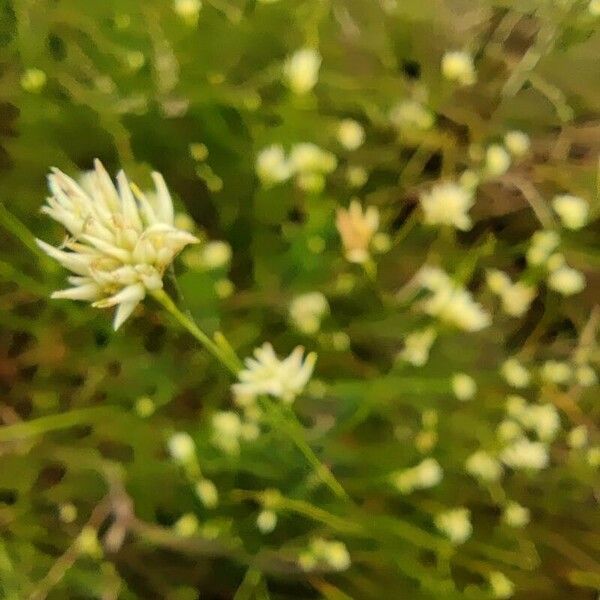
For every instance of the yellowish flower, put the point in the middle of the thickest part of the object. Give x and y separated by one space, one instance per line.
356 228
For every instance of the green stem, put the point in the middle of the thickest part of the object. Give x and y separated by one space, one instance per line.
226 358
27 429
289 424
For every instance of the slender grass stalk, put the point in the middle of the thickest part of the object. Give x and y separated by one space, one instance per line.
228 359
41 425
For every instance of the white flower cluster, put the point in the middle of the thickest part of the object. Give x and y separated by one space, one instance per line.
464 386
484 466
411 115
229 429
561 278
350 134
448 203
266 374
120 241
307 311
301 70
426 474
514 373
332 554
458 66
417 346
515 297
307 162
450 302
455 524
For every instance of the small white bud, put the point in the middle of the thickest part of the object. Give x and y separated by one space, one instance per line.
517 142
302 70
515 515
186 525
266 521
497 160
350 134
566 281
458 66
181 447
502 586
207 492
572 210
463 386
577 437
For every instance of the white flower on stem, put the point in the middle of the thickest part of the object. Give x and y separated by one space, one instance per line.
497 160
181 447
586 376
515 297
350 134
458 66
266 521
301 70
307 310
525 454
417 346
357 228
426 474
515 515
566 281
272 166
411 115
556 371
267 374
577 437
514 373
517 142
483 466
227 431
450 302
502 587
543 244
463 386
455 524
448 204
572 210
120 240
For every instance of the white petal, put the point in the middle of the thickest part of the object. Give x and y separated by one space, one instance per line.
89 291
123 312
71 260
130 209
164 203
131 293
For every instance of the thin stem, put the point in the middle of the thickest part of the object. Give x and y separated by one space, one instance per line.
27 429
226 358
289 424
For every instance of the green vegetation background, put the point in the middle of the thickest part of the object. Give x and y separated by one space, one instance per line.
219 83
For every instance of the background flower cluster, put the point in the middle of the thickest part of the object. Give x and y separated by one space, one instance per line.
389 209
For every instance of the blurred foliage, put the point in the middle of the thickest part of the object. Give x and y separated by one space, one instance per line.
142 88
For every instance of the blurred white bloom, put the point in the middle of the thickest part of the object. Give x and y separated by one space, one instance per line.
88 543
267 374
558 372
572 210
356 176
227 430
515 515
216 254
525 454
417 346
515 405
450 302
515 297
67 512
333 553
207 493
543 243
508 430
266 521
541 418
586 376
458 66
455 524
186 525
497 160
118 247
301 70
356 228
469 180
307 310
463 386
181 447
566 281
410 115
381 242
184 221
272 166
483 466
594 8
188 10
426 474
502 586
515 373
144 406
448 203
33 80
350 134
578 437
517 142
309 158
593 456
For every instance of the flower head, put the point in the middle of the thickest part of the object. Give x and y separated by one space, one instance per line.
302 70
267 374
120 240
448 204
455 524
356 228
272 166
307 310
572 210
458 66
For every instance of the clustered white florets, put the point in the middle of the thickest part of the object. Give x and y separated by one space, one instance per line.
448 203
268 375
120 240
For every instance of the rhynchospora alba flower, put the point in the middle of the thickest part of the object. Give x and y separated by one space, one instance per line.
448 204
272 166
307 311
120 240
450 302
458 66
572 210
357 228
301 70
515 297
267 374
455 524
410 115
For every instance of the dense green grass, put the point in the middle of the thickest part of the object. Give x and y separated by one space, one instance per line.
92 505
